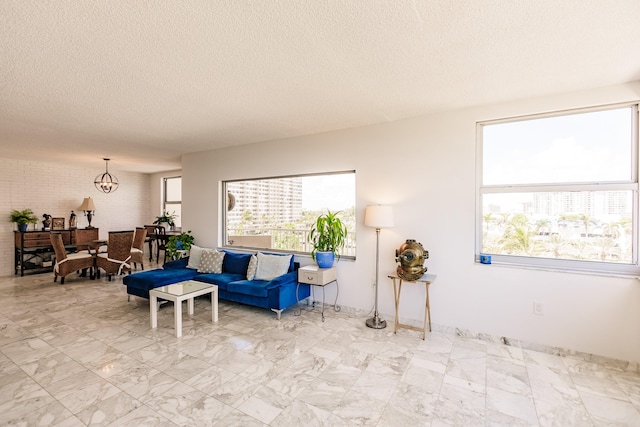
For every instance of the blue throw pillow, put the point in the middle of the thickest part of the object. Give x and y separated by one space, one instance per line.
235 263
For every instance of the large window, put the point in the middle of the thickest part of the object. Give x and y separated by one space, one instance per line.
172 200
560 191
277 213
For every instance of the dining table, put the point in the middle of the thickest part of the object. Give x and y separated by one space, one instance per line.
161 240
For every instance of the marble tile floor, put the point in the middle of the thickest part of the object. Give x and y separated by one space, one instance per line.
79 354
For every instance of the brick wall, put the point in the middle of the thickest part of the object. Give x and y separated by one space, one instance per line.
57 189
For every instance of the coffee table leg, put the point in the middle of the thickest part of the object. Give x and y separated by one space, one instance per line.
153 308
190 306
214 305
177 309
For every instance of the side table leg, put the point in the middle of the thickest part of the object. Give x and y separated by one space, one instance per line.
428 308
153 309
336 307
177 310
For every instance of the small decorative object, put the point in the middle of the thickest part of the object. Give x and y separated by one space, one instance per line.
89 208
166 218
23 218
327 236
231 201
181 242
485 259
72 220
106 182
411 256
378 216
46 222
57 223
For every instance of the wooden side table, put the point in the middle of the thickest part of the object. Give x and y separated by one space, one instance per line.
316 276
427 279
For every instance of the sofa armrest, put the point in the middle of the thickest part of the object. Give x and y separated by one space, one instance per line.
286 279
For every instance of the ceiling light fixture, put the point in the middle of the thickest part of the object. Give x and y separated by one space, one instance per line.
106 182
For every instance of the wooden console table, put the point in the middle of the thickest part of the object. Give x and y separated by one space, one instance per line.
427 279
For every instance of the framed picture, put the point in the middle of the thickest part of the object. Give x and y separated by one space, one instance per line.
57 223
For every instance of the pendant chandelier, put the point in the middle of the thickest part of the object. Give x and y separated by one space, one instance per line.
106 182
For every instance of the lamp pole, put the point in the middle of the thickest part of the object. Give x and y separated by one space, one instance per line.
376 322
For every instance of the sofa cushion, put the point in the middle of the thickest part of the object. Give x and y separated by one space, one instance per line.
221 280
257 288
150 279
211 261
236 263
177 264
272 266
251 269
195 254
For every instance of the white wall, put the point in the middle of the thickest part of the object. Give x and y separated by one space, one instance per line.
425 168
57 189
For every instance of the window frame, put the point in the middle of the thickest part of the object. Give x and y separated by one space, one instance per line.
586 266
224 228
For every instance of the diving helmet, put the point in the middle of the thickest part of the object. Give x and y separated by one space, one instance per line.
411 256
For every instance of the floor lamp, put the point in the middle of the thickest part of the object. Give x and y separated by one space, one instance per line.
379 217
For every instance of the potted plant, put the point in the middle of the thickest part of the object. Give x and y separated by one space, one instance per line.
180 242
327 236
166 218
23 218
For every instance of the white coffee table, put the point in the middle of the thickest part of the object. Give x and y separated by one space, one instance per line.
179 292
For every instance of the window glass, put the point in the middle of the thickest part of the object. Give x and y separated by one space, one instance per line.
277 213
593 146
172 202
560 191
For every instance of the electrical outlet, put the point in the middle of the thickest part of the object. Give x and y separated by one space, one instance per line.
538 308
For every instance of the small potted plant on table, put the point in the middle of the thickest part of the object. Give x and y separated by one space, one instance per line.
23 218
327 236
166 218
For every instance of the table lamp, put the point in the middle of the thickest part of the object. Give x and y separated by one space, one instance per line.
89 208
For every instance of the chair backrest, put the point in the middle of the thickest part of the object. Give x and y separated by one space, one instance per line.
151 229
58 246
138 237
84 236
160 229
119 247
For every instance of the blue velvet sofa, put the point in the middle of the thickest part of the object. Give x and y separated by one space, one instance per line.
276 294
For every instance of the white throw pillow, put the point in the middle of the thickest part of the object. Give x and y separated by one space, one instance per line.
272 266
194 257
211 261
253 266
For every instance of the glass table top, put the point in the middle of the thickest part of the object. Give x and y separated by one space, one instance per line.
183 288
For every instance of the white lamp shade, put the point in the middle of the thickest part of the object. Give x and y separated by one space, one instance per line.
378 216
87 204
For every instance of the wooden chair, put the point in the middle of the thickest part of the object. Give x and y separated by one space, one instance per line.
68 263
84 237
151 229
138 247
118 256
161 243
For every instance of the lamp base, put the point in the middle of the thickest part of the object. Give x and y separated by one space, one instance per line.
376 322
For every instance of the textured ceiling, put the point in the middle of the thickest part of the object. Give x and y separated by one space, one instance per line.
144 81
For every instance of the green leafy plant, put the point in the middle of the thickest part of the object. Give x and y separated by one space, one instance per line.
181 242
166 217
23 217
328 234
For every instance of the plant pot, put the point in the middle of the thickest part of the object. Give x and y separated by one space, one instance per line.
325 259
23 227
